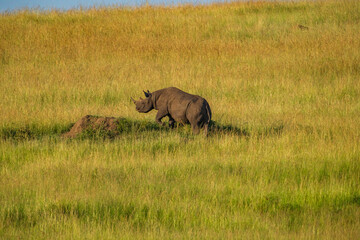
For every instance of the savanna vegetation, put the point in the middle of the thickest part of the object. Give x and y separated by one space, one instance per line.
282 161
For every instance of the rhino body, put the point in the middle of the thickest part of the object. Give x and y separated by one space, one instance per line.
178 106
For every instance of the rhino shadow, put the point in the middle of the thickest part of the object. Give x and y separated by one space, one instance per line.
274 129
96 127
217 128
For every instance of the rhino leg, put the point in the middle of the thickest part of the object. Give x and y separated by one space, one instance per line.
206 129
195 128
171 122
160 115
195 124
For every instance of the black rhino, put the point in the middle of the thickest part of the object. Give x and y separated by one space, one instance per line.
179 106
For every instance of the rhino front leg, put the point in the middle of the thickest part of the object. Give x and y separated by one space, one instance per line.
171 122
160 115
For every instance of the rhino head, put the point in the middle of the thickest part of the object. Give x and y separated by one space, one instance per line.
144 105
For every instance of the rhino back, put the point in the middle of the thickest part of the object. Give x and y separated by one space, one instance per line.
166 97
175 101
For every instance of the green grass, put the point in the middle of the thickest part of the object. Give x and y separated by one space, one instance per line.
282 160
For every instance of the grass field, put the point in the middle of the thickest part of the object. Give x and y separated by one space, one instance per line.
291 172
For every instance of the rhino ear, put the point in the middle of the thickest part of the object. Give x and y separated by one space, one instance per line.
147 94
133 100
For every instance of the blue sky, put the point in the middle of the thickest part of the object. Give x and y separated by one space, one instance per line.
11 5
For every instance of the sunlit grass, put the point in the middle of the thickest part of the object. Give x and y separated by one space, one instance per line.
281 162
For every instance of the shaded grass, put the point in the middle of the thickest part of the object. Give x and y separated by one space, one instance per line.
32 131
128 127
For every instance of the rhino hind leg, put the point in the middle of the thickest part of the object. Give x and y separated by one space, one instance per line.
195 128
198 126
206 129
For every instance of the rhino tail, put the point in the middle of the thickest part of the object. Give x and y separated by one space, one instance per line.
208 111
207 124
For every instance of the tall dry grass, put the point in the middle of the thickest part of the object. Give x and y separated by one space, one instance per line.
295 92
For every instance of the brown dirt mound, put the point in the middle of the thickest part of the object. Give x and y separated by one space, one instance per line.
90 122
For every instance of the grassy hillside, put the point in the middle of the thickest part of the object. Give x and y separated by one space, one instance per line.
292 171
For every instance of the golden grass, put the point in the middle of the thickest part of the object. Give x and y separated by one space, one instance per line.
295 91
